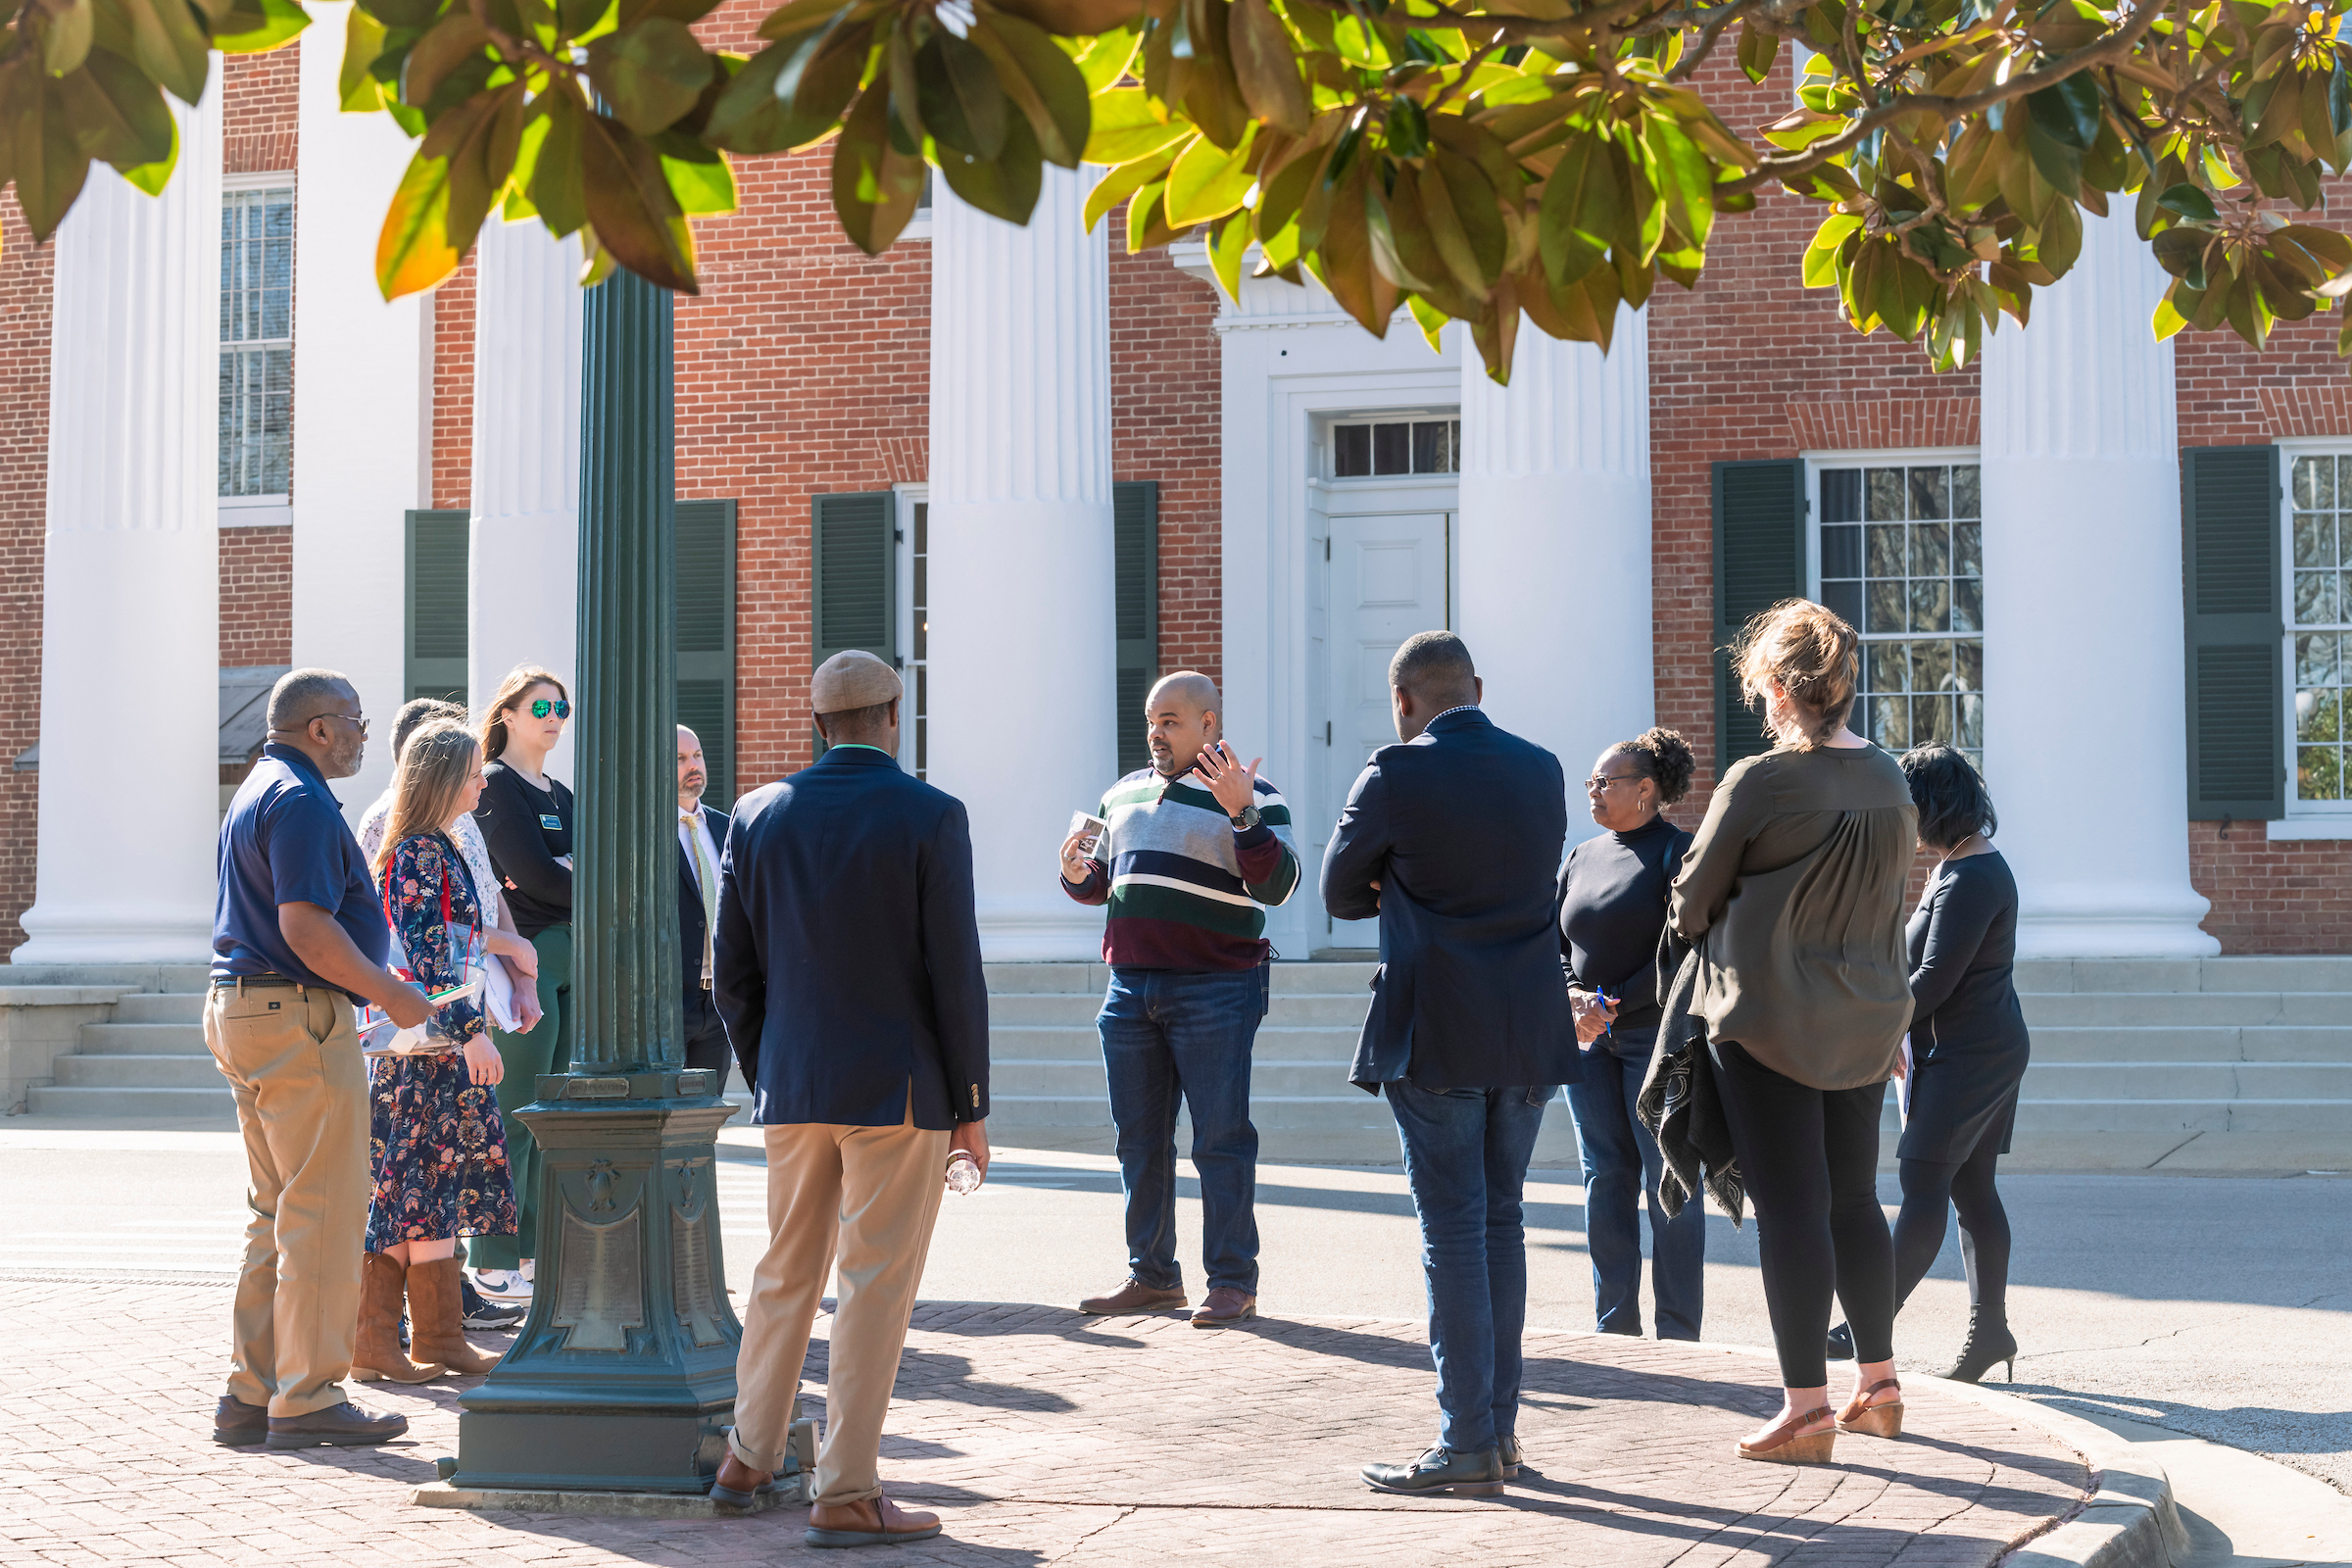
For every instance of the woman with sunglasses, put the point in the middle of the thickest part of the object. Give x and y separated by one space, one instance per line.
1612 907
526 817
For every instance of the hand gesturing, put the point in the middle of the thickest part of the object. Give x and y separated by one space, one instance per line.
1234 785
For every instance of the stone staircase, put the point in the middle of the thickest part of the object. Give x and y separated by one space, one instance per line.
2214 1045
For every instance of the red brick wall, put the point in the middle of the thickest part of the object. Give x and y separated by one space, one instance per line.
257 596
25 277
259 111
452 305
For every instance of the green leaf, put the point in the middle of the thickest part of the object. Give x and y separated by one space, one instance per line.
630 207
1225 249
750 118
65 34
118 116
2068 111
962 104
2189 202
1125 127
1757 51
554 183
1007 186
282 21
450 43
2060 238
698 175
49 164
1582 211
362 42
1043 81
1207 182
1125 180
1265 63
1105 58
152 176
1076 18
875 186
650 75
169 46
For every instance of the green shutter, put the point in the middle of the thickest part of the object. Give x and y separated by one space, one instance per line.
705 600
1759 560
2232 606
854 562
1135 513
434 628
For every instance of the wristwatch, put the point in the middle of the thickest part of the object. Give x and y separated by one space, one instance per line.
1251 816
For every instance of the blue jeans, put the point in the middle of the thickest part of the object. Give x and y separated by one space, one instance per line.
1170 1034
1622 1166
1465 1158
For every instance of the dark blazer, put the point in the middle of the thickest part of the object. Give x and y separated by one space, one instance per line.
690 902
1462 828
848 959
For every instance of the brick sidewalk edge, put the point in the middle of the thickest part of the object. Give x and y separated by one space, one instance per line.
2129 1521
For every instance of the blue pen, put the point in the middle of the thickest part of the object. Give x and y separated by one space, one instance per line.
1608 1031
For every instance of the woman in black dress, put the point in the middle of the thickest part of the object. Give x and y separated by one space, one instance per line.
1968 1052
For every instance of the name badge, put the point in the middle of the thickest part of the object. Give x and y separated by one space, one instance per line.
554 825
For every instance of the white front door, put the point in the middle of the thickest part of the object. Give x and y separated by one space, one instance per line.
1390 577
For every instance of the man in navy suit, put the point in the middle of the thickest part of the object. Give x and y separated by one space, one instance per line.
1454 839
848 969
701 832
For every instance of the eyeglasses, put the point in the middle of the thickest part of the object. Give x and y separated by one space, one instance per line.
1602 781
353 720
542 708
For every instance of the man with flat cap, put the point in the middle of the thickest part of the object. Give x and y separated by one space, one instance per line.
847 966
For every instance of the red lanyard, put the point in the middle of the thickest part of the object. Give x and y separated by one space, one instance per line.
394 923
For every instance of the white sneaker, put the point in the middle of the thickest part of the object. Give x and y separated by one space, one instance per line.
531 1274
502 1284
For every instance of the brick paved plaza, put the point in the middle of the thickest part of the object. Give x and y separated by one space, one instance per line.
1042 1437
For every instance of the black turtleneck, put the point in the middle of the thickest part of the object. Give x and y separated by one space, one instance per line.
1612 905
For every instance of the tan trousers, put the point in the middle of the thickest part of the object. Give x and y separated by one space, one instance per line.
293 1059
875 1191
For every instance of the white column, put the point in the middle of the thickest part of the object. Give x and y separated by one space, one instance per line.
131 622
2085 736
521 578
1023 639
363 385
1554 543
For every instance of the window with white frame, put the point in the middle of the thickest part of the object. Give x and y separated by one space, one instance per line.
2319 614
257 343
1363 449
1901 555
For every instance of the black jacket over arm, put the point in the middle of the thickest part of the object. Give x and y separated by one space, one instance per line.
1462 828
848 959
690 905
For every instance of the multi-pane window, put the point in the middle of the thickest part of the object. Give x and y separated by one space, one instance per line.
2321 613
1902 558
257 342
1361 449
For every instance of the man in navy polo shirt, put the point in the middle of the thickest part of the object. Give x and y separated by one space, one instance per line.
298 935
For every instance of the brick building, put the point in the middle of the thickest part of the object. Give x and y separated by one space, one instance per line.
1258 489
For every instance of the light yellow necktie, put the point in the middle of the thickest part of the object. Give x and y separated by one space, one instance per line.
707 881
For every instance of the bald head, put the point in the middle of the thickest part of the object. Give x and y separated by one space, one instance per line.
694 773
1184 718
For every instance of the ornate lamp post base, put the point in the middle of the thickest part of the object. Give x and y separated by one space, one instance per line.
622 1378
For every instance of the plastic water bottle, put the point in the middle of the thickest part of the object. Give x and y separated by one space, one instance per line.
963 1172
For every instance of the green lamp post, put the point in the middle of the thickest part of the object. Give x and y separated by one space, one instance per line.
622 1378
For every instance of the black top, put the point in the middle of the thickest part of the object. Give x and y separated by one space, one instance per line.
526 827
848 959
1612 905
1968 1045
1456 826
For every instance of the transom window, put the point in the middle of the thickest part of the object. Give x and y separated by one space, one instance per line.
1363 449
2319 634
1902 558
257 342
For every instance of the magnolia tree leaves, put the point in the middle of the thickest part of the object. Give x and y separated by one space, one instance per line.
1482 161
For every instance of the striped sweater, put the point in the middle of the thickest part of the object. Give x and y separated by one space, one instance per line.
1185 890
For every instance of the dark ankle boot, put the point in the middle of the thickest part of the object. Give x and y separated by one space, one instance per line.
1990 1344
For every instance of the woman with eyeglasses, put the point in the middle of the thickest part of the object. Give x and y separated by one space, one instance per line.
1612 908
526 817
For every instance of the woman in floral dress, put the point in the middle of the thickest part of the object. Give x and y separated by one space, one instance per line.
438 1142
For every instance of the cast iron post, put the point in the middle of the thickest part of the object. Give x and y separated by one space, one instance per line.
623 1379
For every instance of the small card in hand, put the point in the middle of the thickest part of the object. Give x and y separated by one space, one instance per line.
1093 828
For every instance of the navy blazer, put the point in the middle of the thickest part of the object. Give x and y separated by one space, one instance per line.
848 957
1462 828
690 904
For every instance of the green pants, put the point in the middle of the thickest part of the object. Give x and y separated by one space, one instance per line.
546 1049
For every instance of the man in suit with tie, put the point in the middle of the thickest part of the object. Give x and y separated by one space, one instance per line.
701 832
847 970
1454 839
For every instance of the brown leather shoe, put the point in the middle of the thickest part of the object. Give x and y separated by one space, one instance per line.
737 1486
1225 1306
239 1424
875 1522
437 1319
1133 1297
377 1356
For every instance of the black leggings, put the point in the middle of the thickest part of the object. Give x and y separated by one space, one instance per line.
1930 1184
1810 1162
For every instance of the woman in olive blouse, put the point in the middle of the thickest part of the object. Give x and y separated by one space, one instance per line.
1792 895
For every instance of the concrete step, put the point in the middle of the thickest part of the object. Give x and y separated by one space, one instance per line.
1071 1043
2193 1043
1055 1008
2318 972
1350 1110
2325 1117
214 1104
2218 1081
143 1040
180 978
1055 1080
149 1006
2239 1007
140 1072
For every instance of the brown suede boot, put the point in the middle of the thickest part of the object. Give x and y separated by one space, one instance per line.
438 1318
378 1358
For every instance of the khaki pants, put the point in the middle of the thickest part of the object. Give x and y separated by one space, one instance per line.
293 1059
875 1191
